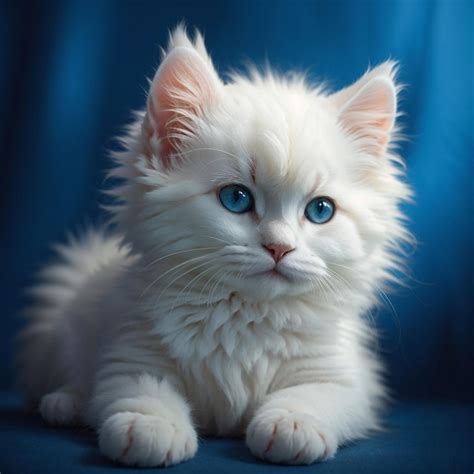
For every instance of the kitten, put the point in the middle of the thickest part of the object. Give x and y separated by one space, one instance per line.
256 222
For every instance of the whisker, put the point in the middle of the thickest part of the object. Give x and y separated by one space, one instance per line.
393 311
189 284
187 262
211 294
209 282
339 265
328 282
219 240
181 275
179 252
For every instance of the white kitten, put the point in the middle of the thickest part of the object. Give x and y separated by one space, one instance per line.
256 224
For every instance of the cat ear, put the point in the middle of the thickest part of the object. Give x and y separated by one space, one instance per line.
367 109
185 84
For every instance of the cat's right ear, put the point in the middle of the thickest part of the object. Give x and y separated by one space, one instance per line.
367 109
184 87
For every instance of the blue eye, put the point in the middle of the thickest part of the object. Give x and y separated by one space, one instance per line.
236 198
320 210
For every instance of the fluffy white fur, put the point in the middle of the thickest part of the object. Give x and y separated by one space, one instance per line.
175 325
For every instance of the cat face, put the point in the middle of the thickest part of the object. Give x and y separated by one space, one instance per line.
265 186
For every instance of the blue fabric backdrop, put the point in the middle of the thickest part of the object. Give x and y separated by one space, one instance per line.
71 71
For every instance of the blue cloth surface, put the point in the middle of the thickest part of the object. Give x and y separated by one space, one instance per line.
420 437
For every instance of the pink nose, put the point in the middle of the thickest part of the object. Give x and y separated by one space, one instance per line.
278 251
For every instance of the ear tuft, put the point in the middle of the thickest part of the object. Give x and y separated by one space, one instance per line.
184 86
367 109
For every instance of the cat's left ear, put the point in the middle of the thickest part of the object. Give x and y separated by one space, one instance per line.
368 108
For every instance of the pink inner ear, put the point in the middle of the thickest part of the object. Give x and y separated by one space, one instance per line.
370 115
373 136
180 90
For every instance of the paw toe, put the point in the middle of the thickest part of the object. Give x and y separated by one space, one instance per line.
286 437
59 408
146 440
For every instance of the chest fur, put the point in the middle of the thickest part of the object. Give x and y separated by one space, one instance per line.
228 356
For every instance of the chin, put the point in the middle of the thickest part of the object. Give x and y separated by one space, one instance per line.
270 285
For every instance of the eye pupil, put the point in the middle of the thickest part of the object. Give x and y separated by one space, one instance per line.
320 210
236 198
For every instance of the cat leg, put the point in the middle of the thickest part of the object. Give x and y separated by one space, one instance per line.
61 407
143 421
306 423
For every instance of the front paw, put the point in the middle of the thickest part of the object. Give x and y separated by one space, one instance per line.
287 437
60 408
146 440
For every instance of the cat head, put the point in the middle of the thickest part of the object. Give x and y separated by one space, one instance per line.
264 185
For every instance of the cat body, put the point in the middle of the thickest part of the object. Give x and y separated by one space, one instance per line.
196 315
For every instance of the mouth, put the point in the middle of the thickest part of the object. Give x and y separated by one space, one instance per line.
274 273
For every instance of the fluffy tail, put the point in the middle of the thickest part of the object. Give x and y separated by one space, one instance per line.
39 356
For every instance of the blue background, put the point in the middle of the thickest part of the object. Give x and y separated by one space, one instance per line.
71 71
